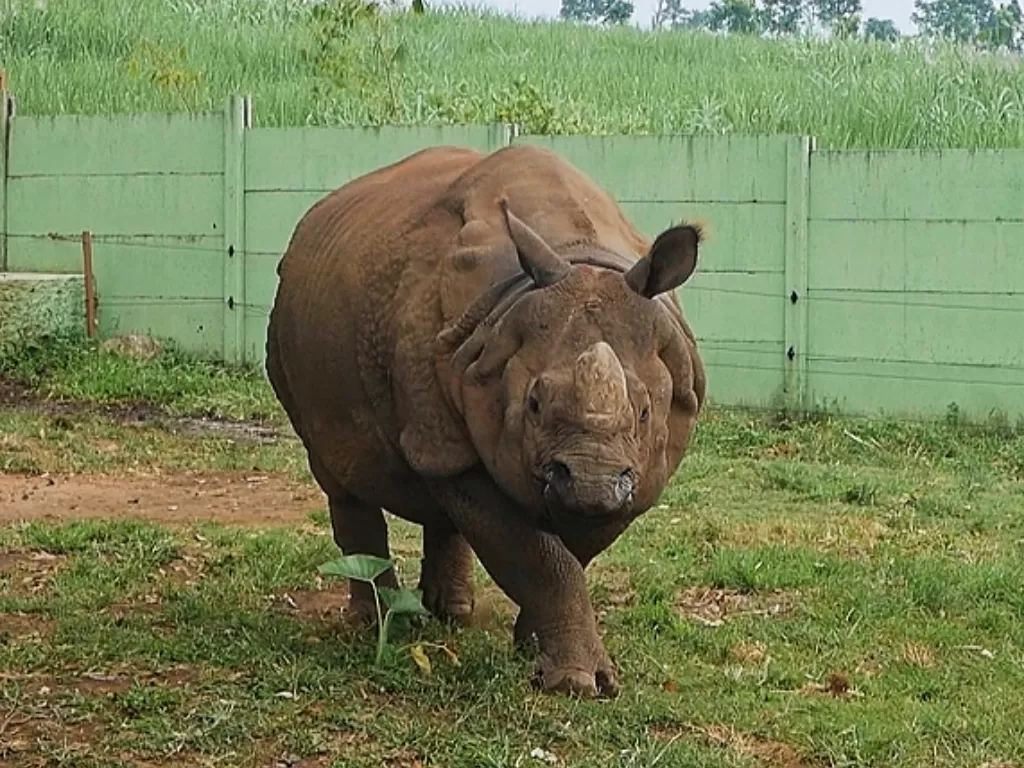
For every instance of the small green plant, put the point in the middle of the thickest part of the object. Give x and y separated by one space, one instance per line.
953 416
524 104
400 602
356 47
168 69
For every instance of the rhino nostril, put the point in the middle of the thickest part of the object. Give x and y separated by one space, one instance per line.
559 481
558 474
625 485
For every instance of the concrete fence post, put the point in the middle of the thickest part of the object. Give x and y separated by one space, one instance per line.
798 193
6 109
237 118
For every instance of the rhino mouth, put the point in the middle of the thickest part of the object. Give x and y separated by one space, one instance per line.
563 503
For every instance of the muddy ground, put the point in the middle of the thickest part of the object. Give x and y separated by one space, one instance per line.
167 497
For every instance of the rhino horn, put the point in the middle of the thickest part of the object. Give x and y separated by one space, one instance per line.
600 380
536 257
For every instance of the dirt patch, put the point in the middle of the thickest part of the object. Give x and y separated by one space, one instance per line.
29 572
919 655
766 752
780 450
713 607
618 584
17 627
15 396
232 498
268 753
492 609
293 761
838 685
316 604
186 570
851 536
47 687
748 653
23 735
240 431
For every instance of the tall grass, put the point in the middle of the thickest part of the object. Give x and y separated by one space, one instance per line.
107 56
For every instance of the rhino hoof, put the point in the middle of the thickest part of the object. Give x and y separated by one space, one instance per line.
570 681
449 608
457 613
576 681
607 683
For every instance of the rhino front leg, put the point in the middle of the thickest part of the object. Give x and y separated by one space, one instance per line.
541 576
447 575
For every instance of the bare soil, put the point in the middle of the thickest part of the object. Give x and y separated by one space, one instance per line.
178 498
763 752
713 607
18 397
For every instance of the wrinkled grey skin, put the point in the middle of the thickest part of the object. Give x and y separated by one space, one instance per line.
485 346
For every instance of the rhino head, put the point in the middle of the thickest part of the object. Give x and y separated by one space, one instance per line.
581 391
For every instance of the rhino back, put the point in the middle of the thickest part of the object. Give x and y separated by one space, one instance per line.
557 200
358 262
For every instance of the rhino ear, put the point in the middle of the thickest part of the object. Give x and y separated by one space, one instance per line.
536 257
669 263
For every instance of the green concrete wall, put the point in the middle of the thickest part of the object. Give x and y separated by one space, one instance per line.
863 281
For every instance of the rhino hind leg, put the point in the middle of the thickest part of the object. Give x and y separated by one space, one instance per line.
360 529
446 578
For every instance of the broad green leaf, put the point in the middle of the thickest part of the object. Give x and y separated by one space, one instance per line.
359 567
403 601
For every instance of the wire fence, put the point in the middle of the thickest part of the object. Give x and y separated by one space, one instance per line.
834 294
766 349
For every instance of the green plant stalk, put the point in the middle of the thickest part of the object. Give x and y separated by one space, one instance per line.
382 630
382 638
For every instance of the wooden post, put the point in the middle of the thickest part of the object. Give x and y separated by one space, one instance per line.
90 289
3 81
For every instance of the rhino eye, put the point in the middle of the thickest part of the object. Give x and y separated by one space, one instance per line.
645 414
533 404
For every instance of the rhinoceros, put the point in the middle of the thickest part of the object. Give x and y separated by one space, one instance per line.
484 345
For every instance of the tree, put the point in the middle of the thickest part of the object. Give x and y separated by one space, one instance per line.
960 20
841 17
881 29
734 16
972 21
665 12
1006 27
782 17
602 11
692 20
672 14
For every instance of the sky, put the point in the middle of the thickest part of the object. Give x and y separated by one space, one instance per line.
897 10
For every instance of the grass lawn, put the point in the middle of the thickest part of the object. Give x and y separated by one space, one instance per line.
807 594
